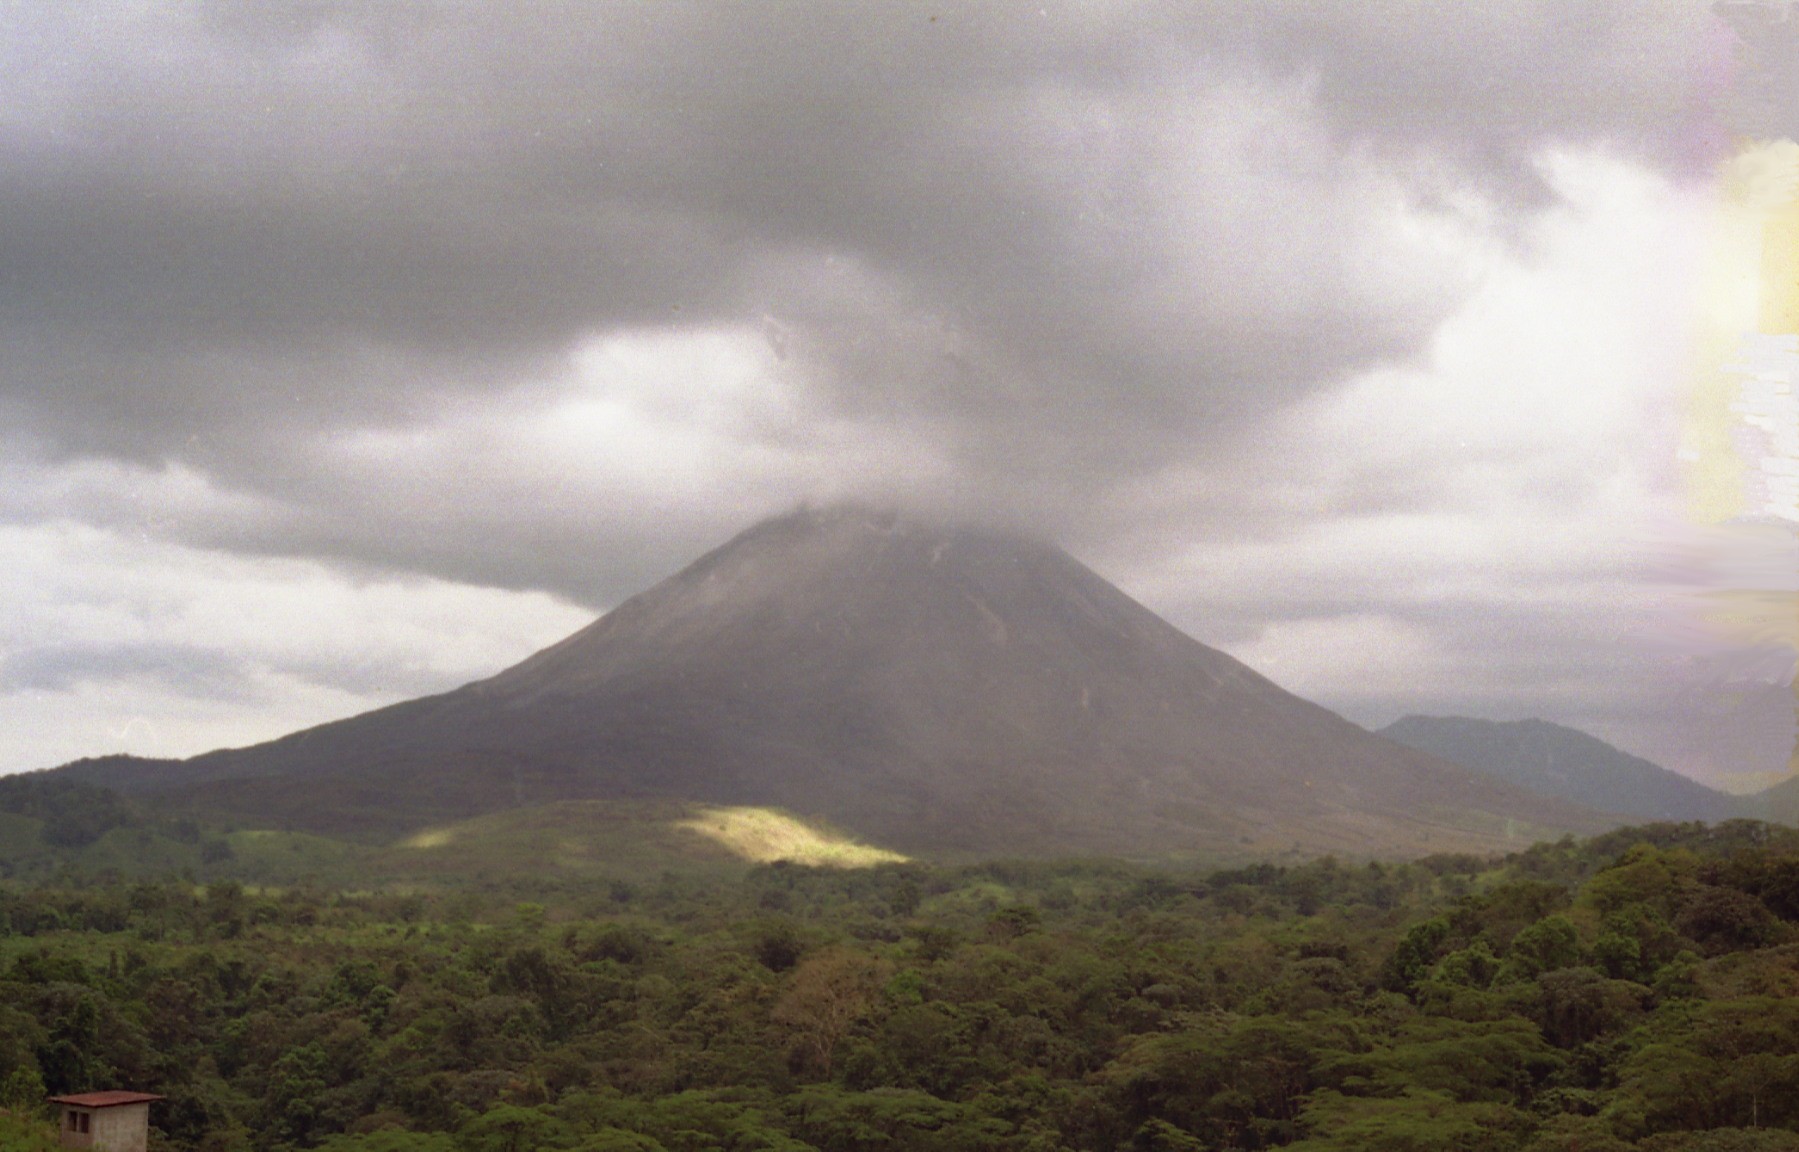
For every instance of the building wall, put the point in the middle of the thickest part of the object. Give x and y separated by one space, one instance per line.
122 1129
125 1128
70 1137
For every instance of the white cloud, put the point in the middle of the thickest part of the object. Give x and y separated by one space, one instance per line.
115 643
1492 530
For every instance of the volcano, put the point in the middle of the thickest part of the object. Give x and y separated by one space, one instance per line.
938 690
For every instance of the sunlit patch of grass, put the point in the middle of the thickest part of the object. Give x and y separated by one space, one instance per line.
764 835
430 838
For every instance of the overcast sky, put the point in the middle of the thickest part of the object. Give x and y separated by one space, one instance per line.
354 351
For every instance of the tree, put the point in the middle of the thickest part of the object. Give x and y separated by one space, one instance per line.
512 1129
1414 1121
830 992
1580 1004
1414 955
21 1133
391 1141
1725 920
1545 946
22 1090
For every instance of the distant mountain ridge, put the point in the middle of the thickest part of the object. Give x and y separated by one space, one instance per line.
1557 761
1779 803
932 689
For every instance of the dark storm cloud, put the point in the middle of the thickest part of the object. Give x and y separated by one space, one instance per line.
1061 245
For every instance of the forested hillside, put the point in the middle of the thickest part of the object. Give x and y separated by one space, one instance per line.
1640 990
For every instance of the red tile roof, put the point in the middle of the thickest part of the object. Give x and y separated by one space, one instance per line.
105 1099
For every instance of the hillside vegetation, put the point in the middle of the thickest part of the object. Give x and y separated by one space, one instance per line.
51 826
1635 991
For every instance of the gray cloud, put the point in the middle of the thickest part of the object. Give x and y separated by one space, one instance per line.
186 670
1086 237
1764 100
316 279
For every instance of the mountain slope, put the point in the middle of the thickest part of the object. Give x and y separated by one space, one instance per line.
1779 803
936 690
1565 763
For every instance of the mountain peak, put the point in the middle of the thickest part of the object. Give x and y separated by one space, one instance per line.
931 688
834 531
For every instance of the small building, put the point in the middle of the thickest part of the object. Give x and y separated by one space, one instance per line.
106 1121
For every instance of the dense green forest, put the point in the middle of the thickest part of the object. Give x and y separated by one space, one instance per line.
1638 990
